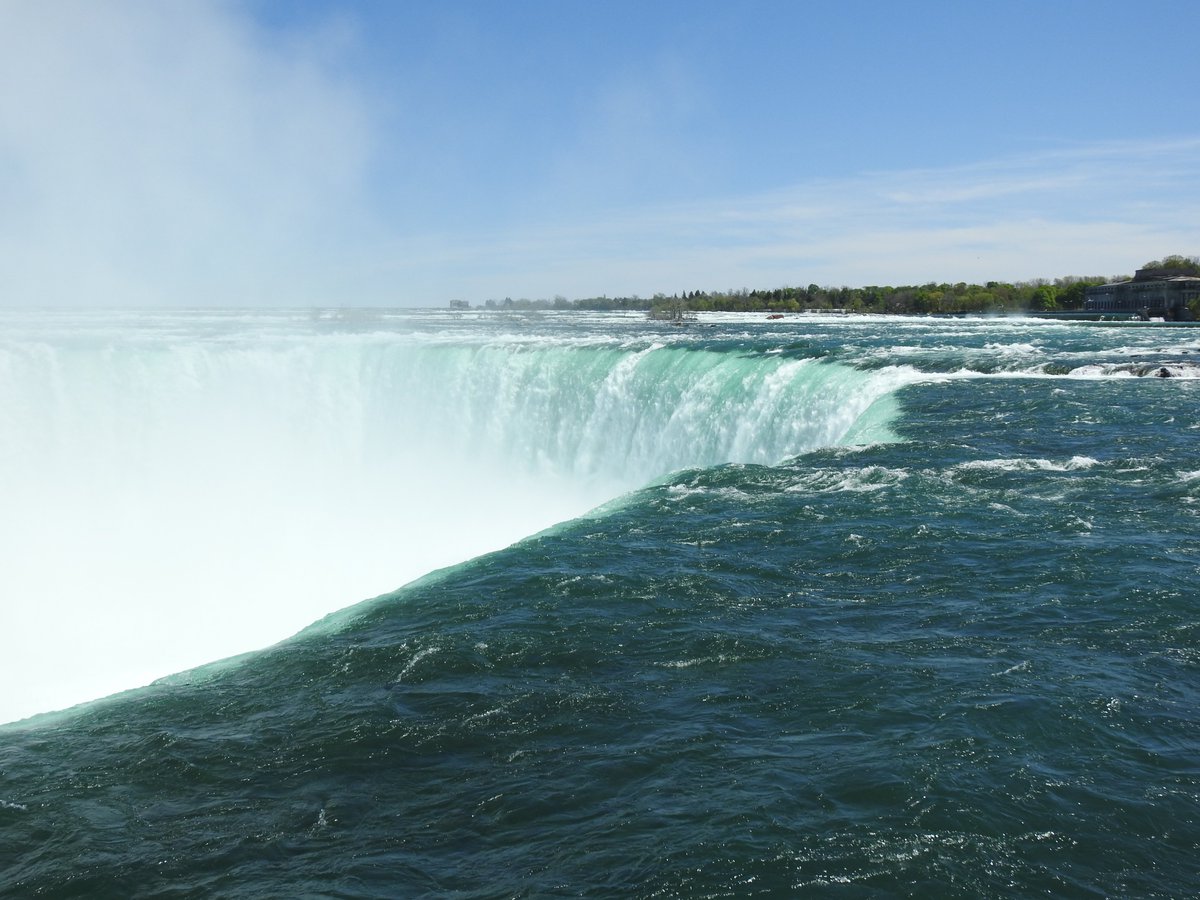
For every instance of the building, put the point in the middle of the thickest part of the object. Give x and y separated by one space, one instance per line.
1150 294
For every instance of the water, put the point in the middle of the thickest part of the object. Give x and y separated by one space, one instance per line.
857 607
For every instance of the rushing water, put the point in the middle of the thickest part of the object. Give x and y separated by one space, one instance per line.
857 607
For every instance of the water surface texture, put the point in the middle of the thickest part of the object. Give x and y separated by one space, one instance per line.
834 607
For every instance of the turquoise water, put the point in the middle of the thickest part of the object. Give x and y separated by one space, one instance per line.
860 607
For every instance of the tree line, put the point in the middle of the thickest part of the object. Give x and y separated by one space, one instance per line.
1040 295
932 298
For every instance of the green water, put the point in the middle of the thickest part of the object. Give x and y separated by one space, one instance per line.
961 662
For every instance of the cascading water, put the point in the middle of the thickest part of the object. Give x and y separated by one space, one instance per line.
179 489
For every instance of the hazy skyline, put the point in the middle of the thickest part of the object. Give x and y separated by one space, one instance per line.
343 153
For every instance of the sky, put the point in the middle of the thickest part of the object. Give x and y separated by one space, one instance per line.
380 152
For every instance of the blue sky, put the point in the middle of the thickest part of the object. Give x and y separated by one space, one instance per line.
407 153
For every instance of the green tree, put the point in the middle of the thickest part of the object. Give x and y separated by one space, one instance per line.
1045 297
1187 264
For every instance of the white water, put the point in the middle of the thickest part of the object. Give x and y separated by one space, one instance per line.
177 489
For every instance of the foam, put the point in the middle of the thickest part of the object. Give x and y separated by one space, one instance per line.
1074 464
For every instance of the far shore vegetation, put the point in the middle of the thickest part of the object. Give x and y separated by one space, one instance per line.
996 297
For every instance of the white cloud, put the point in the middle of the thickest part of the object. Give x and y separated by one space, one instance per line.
1097 209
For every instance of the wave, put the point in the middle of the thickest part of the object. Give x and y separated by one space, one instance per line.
179 496
1076 463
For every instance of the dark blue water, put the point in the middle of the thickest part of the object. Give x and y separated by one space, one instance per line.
962 663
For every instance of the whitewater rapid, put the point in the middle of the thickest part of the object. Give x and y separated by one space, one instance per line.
184 487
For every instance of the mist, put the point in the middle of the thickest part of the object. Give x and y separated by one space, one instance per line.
171 154
180 487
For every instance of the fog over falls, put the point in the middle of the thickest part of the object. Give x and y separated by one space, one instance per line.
175 497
